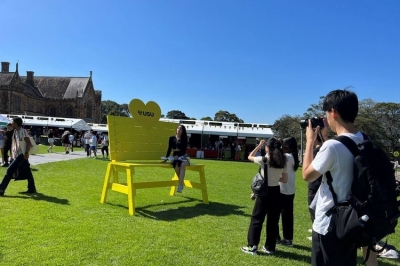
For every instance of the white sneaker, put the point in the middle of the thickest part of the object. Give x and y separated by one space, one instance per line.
267 251
250 250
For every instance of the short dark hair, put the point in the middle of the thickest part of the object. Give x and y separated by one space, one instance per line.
345 102
18 121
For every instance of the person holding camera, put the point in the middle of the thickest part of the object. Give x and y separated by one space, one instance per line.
267 206
341 109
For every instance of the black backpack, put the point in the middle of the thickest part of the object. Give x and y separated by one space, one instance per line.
373 192
259 184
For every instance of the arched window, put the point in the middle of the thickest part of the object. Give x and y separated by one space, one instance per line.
89 110
69 111
52 111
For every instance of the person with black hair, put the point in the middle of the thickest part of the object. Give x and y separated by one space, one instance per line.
178 145
287 192
341 109
268 206
20 149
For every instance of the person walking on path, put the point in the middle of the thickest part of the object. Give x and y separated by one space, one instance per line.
71 141
20 149
104 143
93 144
50 139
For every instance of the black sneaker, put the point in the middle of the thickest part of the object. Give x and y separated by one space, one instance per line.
250 250
287 243
28 192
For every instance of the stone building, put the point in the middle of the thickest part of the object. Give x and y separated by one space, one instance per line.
72 97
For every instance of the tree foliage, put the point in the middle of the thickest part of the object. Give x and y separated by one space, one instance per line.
288 126
112 108
207 118
225 116
176 114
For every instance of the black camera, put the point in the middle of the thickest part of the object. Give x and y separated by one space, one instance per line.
315 121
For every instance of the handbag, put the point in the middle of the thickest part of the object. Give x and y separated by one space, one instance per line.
259 184
34 147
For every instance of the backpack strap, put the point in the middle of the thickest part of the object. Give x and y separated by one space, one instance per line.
353 148
350 144
265 160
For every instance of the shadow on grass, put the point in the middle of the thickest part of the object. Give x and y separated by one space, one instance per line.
41 196
187 212
307 258
291 255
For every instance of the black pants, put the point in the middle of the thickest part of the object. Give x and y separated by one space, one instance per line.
327 250
10 171
87 149
265 207
287 216
311 195
7 149
104 149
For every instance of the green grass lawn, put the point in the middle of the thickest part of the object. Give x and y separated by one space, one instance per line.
65 223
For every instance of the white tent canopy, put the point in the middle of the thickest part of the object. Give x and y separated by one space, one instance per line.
240 130
45 121
4 120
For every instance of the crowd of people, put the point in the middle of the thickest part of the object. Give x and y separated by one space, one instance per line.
278 163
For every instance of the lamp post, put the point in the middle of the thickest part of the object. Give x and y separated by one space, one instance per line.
302 146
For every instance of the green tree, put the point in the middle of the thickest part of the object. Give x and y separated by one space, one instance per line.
112 108
207 118
176 114
315 110
288 126
225 116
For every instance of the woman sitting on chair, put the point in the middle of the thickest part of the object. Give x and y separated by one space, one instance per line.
178 144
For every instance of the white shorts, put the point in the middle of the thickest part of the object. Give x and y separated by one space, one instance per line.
50 140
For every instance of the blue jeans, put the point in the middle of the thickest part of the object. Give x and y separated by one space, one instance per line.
10 171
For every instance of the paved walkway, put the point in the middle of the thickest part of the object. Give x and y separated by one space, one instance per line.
56 157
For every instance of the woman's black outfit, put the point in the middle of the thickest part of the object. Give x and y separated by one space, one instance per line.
180 144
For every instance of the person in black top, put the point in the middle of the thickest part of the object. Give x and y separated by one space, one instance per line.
178 145
7 144
50 139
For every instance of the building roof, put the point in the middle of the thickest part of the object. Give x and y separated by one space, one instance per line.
29 90
6 78
60 87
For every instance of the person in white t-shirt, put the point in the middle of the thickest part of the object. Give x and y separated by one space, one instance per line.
267 206
341 109
71 141
288 190
93 145
87 138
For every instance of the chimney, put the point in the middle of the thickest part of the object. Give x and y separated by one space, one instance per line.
29 78
5 66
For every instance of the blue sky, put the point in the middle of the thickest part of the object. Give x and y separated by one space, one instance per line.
257 59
